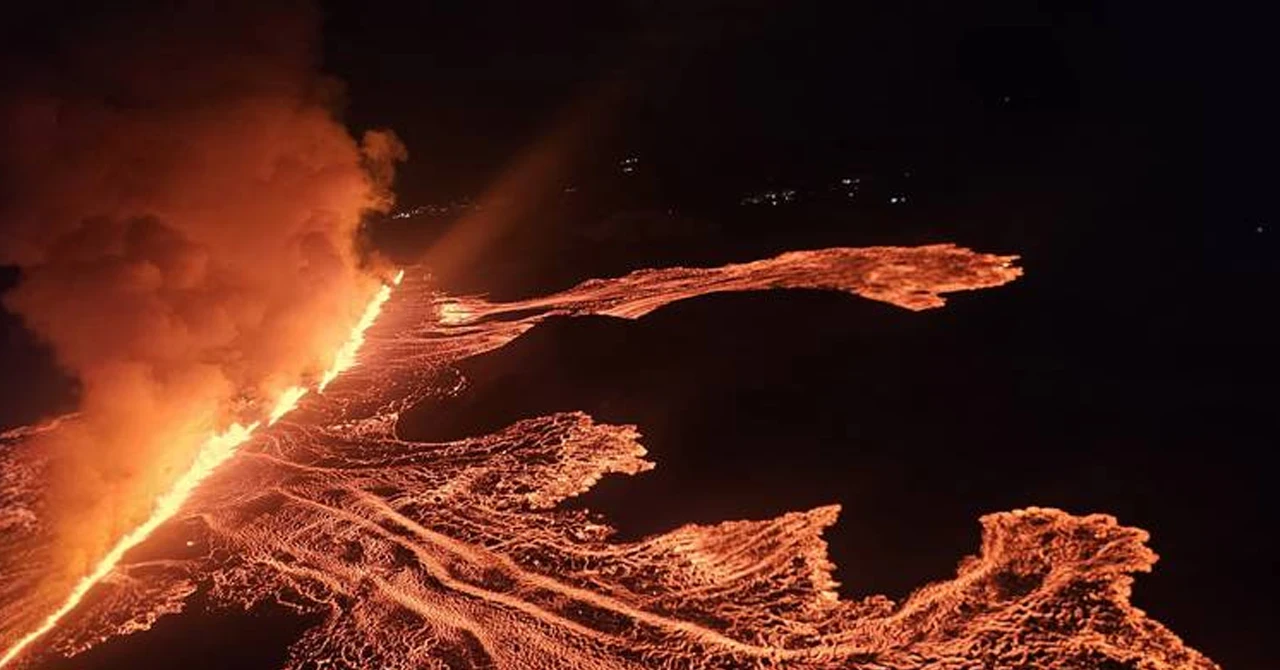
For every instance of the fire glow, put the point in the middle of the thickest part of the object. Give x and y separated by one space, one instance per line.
215 451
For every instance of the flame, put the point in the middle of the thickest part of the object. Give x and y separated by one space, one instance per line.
215 451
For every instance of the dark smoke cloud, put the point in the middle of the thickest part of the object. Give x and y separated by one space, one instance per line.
185 209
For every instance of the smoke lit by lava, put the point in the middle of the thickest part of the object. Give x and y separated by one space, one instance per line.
185 209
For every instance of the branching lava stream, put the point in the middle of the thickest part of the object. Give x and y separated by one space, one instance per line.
455 555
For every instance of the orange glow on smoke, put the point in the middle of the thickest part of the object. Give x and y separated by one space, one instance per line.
215 451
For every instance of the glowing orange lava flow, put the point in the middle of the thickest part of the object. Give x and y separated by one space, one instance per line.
214 452
398 553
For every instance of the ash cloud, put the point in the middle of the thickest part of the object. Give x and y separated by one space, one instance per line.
185 209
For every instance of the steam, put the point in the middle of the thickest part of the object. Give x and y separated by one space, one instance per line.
185 209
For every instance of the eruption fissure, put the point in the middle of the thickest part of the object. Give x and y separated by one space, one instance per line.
214 452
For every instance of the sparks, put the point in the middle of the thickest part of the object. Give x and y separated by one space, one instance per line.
215 451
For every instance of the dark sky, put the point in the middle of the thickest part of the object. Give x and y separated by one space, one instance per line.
1125 150
730 88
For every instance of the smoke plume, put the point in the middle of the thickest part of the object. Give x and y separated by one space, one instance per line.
185 210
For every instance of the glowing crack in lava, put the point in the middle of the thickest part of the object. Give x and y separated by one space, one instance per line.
215 451
456 554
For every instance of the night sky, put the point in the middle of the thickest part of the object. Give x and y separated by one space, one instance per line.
1125 150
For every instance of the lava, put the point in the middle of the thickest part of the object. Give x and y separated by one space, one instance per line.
285 404
346 356
458 554
215 451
